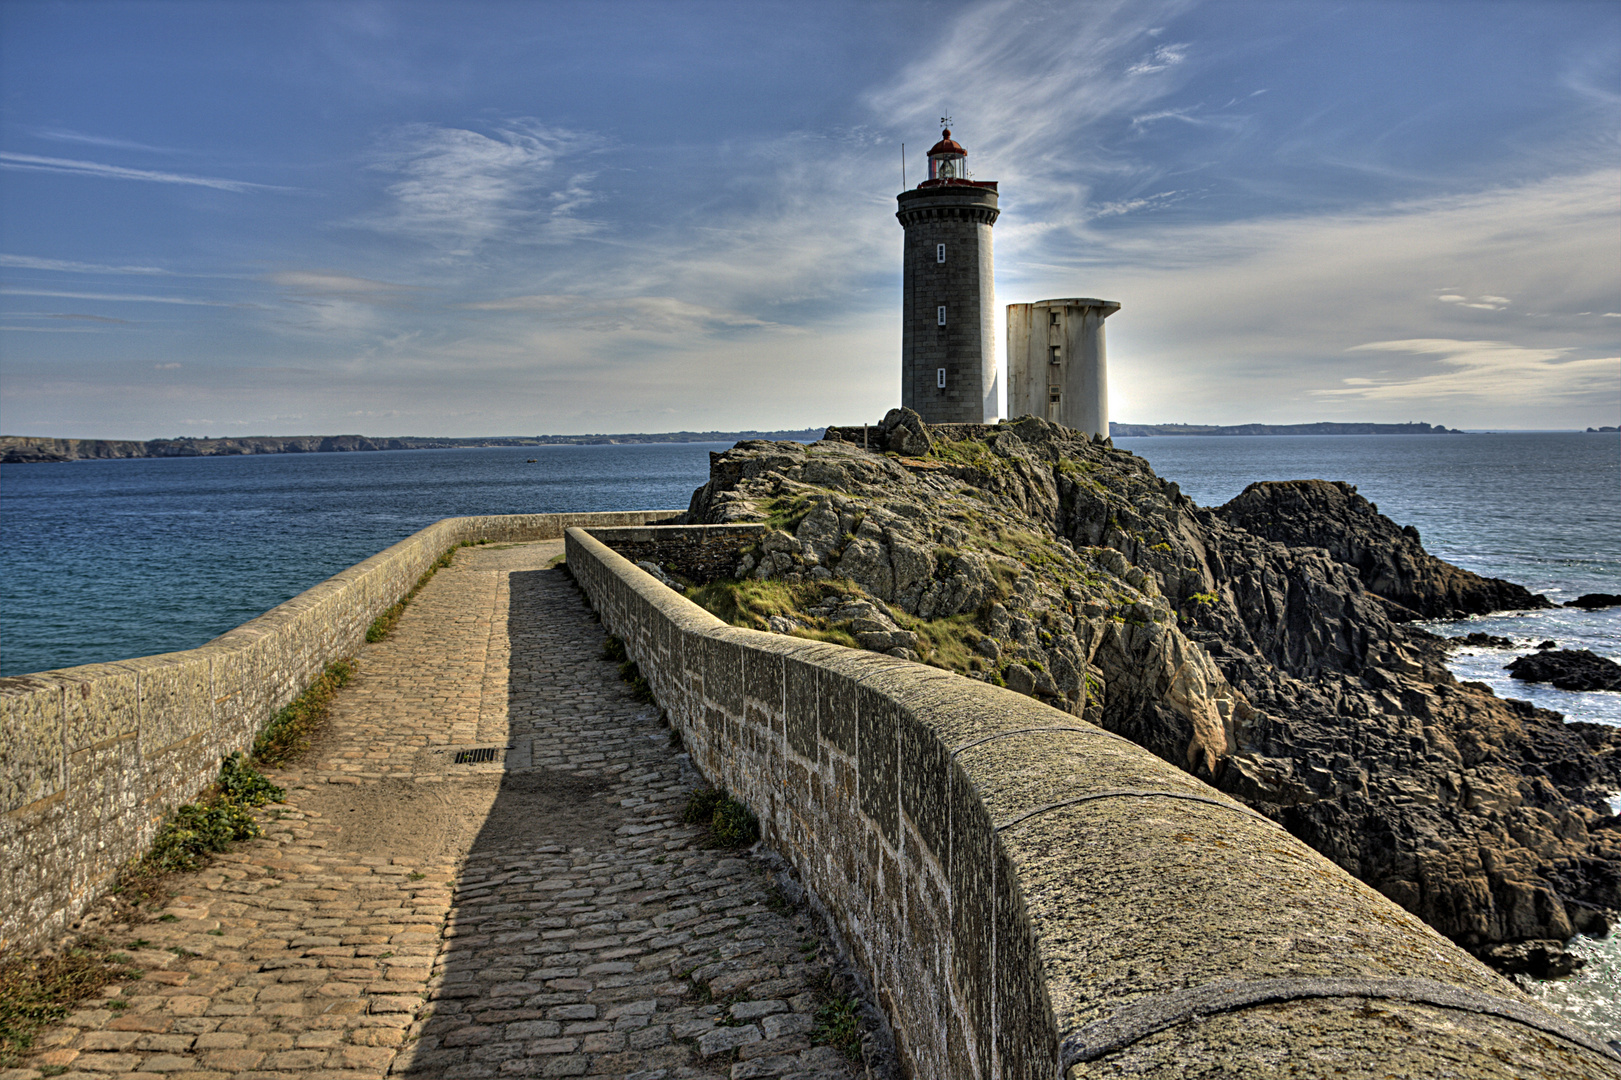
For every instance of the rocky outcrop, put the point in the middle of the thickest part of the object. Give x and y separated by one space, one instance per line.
1568 669
1594 601
1251 646
1490 641
1389 559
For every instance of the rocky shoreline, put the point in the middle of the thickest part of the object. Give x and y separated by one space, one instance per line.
1266 646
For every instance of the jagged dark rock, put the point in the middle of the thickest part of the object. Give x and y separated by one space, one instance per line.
1389 559
1490 641
1251 645
1568 669
1538 959
1593 601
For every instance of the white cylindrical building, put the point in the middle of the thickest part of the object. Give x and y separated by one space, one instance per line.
1057 366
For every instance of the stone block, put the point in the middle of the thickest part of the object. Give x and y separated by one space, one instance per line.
763 680
925 787
837 710
1026 1039
103 702
723 678
240 688
33 757
723 1039
973 941
878 757
176 700
801 704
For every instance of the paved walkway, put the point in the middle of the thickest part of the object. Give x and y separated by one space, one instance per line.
539 914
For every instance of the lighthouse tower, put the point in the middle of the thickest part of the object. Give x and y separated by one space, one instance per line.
948 357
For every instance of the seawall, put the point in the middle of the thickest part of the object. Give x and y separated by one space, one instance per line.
1032 896
92 758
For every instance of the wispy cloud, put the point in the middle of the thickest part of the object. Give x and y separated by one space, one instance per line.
1045 82
128 298
331 283
327 301
1163 56
1482 371
458 188
647 314
76 317
65 135
64 266
69 316
52 329
1479 303
1131 206
34 163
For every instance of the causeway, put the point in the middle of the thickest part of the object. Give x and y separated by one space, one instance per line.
534 909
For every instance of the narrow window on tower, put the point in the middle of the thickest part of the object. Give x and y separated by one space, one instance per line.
940 377
939 253
1052 318
1052 354
940 315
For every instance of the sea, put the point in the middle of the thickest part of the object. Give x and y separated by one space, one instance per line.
104 560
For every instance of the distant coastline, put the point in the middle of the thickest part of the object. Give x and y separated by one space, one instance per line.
1139 430
27 448
15 449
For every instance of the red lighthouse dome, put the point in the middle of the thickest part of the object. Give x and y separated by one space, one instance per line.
948 161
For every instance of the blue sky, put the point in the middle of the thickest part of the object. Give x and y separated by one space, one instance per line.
273 217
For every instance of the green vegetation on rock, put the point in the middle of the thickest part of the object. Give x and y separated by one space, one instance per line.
289 731
1261 645
614 649
382 625
731 824
39 990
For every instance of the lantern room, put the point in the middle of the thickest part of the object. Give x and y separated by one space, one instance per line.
947 159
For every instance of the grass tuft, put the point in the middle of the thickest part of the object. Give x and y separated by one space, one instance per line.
749 603
40 990
288 733
838 1025
614 649
731 824
382 625
195 830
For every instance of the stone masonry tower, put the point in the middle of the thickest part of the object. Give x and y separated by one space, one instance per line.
948 354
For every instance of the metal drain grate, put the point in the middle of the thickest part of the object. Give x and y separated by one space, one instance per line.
473 757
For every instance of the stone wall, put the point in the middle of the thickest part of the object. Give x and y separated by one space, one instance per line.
93 758
1031 896
699 553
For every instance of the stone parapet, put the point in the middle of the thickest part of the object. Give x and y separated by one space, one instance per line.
1032 896
93 758
699 553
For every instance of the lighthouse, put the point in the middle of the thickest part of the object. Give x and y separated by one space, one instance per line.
948 329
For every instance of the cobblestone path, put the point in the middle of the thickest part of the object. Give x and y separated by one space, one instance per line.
542 913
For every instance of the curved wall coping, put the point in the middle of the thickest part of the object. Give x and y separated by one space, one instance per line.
1032 896
93 758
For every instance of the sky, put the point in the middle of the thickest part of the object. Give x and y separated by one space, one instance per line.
266 217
